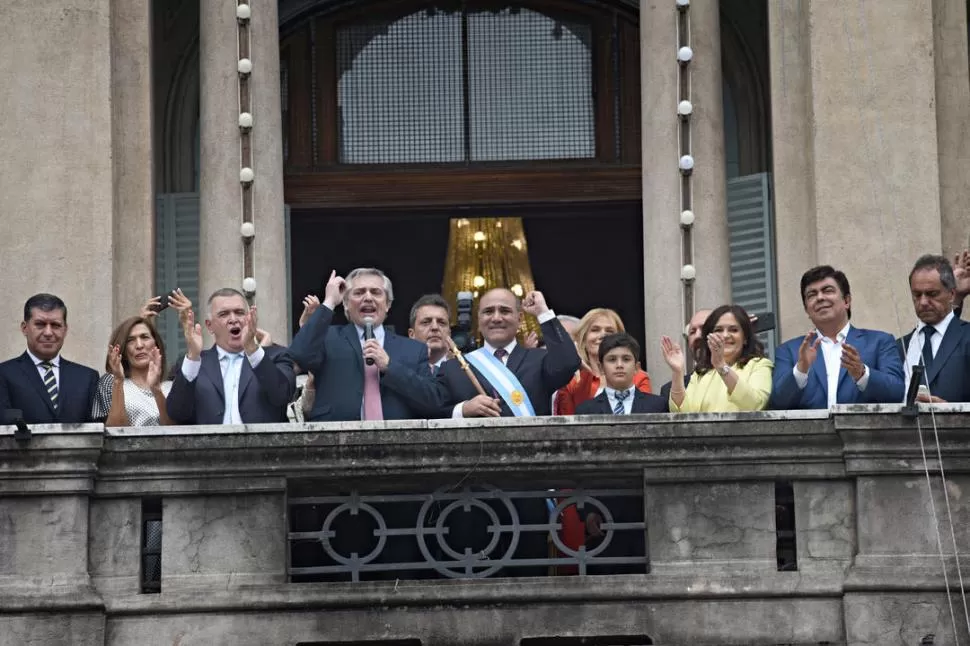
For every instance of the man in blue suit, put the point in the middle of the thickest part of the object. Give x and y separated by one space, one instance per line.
237 381
385 377
941 341
835 363
43 385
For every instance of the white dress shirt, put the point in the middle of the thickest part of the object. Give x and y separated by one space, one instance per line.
627 403
832 355
545 316
41 370
914 351
230 379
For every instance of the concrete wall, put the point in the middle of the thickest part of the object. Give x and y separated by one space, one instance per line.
867 550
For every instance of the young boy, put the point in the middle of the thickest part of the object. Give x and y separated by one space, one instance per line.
618 358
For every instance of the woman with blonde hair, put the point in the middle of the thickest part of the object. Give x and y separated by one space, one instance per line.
132 391
596 324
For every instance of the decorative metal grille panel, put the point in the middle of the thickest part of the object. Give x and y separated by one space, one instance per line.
530 87
473 533
452 86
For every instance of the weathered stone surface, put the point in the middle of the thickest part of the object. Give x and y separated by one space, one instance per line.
824 524
890 619
114 551
45 630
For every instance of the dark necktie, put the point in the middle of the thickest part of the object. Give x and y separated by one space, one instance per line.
620 397
928 346
500 353
50 382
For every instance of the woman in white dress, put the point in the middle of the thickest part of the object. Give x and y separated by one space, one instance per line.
132 391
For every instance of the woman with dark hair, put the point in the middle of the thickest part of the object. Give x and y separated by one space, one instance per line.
132 391
732 372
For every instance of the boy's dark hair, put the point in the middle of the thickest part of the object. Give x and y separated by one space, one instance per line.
618 340
44 303
822 272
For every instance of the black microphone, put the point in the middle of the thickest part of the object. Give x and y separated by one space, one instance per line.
368 334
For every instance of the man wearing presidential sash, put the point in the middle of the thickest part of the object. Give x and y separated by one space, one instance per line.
519 381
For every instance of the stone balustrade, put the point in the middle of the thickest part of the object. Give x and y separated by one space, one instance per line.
869 569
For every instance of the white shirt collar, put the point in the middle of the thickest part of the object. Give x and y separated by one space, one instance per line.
612 393
378 333
223 353
437 364
939 327
842 335
56 361
508 349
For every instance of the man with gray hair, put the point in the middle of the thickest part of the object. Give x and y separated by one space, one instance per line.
362 371
941 341
237 381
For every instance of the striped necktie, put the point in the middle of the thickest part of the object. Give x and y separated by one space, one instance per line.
620 396
50 381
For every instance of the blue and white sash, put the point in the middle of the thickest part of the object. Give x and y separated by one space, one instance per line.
503 380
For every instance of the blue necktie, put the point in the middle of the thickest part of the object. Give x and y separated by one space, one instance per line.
928 346
620 396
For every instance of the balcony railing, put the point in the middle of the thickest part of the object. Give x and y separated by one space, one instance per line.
270 533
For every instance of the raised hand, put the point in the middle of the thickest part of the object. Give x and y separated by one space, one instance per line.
179 302
333 292
250 331
716 345
150 309
673 355
310 305
961 270
155 368
114 362
264 338
192 332
852 362
535 303
807 351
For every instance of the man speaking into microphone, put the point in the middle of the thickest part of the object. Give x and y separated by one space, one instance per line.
361 370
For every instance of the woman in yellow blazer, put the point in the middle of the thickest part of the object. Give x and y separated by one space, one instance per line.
732 372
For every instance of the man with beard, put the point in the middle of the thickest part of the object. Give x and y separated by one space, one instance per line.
237 381
853 366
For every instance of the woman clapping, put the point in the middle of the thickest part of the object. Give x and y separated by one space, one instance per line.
132 391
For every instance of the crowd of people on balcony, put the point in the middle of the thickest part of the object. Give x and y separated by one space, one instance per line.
365 371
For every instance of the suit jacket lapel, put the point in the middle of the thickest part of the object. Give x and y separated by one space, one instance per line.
349 333
212 369
246 372
818 370
516 358
33 378
639 402
857 340
947 346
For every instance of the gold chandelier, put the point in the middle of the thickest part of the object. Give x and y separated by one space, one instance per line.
485 253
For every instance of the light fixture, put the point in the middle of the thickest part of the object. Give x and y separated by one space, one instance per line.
479 236
246 175
517 290
245 66
687 272
685 54
685 108
517 244
478 281
245 120
683 5
247 230
686 218
249 285
243 12
686 163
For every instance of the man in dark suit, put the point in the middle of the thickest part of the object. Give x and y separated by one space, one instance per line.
540 371
854 365
386 377
44 386
430 323
236 381
941 341
618 356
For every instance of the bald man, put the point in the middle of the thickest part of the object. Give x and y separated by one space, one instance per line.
518 381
